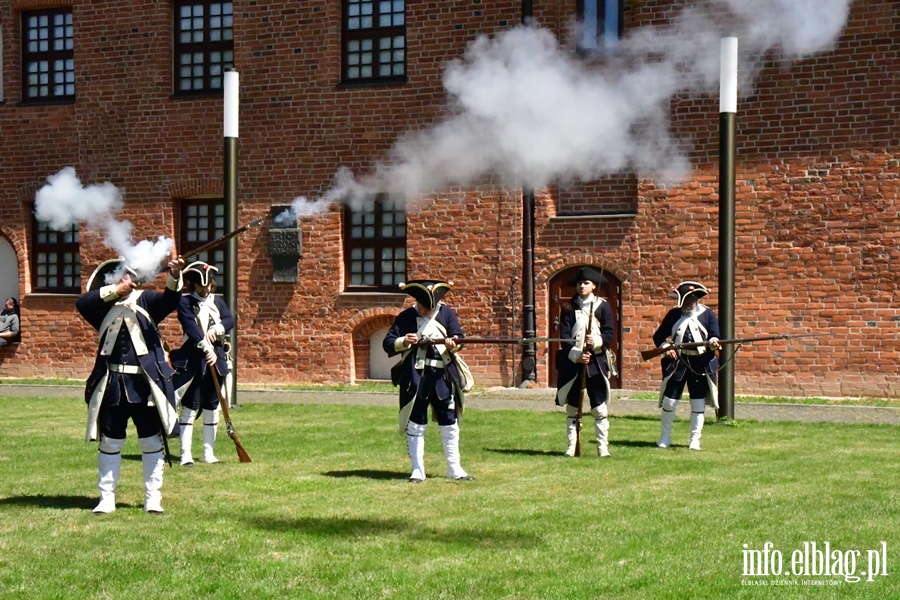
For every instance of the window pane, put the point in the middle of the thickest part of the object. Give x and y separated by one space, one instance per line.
48 55
56 262
599 22
201 222
205 33
375 253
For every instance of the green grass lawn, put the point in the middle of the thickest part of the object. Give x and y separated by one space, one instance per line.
324 510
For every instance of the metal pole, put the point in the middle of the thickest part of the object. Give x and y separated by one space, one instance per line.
231 85
727 114
529 353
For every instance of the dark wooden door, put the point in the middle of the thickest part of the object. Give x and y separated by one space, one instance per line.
561 292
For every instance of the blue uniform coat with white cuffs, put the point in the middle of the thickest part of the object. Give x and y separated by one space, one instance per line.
573 325
421 381
139 314
706 362
190 359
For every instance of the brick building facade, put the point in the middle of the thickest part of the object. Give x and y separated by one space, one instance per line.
818 190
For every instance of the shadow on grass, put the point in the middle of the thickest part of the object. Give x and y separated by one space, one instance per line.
615 417
525 451
632 443
366 528
532 452
366 474
41 501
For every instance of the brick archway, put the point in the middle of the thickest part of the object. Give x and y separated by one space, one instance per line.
362 328
571 260
11 265
193 188
554 281
25 197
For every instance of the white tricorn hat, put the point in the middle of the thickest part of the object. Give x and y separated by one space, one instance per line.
689 290
110 272
199 272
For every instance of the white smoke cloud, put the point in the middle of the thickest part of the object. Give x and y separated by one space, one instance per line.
525 111
795 28
64 202
345 188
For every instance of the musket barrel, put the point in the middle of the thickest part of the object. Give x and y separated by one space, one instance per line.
220 240
496 340
654 352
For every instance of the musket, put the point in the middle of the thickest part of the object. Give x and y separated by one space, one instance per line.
220 240
426 341
223 402
654 352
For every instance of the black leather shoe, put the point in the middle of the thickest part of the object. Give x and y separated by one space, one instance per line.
464 478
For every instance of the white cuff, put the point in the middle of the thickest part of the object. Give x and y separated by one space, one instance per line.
108 293
219 329
172 283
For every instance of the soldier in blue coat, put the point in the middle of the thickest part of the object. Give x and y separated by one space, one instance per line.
206 320
427 374
588 352
690 321
131 379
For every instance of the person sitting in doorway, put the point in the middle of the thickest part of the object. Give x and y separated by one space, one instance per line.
10 321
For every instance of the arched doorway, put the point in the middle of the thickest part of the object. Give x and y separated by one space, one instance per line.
370 361
561 292
9 271
379 362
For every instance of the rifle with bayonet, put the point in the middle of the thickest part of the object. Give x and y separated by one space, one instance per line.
654 352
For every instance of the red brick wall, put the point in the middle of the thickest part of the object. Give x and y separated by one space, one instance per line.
817 195
814 254
611 195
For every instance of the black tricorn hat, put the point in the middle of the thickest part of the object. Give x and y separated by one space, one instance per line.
199 272
690 290
588 274
427 292
104 274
